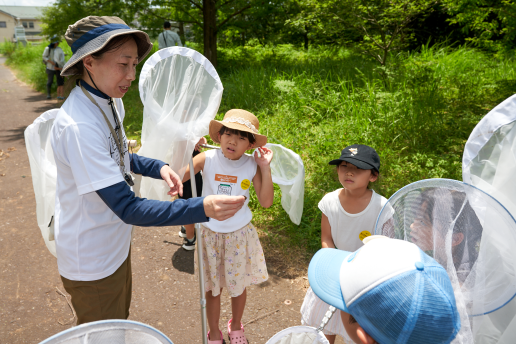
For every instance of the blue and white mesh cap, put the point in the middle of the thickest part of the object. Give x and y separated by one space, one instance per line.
396 292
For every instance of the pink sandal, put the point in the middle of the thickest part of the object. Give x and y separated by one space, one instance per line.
220 341
236 337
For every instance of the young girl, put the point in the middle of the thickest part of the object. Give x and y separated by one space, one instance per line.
349 215
233 256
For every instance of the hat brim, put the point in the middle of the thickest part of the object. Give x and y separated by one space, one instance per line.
358 163
324 276
215 126
143 43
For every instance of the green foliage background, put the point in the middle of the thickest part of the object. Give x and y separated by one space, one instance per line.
417 113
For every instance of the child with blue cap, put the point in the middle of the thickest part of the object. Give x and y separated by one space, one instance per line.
389 291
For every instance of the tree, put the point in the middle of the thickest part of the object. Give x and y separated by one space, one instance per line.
376 27
151 18
492 22
383 24
62 13
209 15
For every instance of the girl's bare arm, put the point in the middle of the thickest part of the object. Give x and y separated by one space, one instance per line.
326 239
262 180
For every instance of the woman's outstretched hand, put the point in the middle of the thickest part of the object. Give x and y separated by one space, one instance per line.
173 181
221 207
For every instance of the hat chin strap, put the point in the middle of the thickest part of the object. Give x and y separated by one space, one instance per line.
87 71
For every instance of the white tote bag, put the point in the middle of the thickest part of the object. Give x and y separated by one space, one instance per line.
44 173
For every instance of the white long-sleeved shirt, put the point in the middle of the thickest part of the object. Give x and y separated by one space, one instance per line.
168 38
56 55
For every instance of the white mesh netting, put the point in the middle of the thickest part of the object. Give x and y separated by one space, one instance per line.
44 173
181 92
474 238
288 172
489 160
110 332
299 335
304 334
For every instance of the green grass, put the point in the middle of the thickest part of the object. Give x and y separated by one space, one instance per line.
417 114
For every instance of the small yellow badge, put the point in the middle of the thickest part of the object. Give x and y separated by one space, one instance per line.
363 235
245 184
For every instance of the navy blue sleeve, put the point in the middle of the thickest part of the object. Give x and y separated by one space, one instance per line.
147 167
145 212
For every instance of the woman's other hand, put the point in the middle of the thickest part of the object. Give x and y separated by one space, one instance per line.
173 181
221 207
202 141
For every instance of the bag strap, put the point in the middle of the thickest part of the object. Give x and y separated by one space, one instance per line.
119 135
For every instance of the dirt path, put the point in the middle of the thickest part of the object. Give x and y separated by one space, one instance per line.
165 292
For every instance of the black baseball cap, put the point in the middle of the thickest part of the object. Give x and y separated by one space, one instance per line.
362 156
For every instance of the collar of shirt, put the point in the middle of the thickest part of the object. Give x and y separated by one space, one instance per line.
92 90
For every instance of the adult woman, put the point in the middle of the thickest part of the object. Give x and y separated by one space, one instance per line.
95 206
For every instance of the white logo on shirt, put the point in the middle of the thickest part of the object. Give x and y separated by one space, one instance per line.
113 149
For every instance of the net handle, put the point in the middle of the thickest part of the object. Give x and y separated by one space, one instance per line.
200 262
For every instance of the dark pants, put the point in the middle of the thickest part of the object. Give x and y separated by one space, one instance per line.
50 79
107 298
187 186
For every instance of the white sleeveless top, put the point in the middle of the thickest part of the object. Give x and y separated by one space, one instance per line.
222 176
348 230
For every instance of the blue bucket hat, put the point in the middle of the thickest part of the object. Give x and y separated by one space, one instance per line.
91 34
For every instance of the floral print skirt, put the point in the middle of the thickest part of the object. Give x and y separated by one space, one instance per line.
232 260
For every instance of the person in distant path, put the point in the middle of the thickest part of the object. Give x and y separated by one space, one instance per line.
54 58
168 38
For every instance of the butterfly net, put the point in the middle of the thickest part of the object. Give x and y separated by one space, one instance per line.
181 92
44 173
110 332
299 335
474 238
288 172
489 160
304 334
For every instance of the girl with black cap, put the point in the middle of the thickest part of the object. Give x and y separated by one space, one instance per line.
95 205
348 216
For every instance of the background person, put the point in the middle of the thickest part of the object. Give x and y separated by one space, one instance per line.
348 216
168 38
55 60
95 205
389 291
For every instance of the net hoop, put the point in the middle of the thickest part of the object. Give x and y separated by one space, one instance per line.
106 325
171 51
319 337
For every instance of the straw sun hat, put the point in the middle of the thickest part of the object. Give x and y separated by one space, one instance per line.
91 34
239 120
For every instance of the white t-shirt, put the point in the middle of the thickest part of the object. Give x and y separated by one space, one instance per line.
222 176
348 230
91 240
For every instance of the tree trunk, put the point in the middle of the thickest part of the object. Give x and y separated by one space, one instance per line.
181 27
210 31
